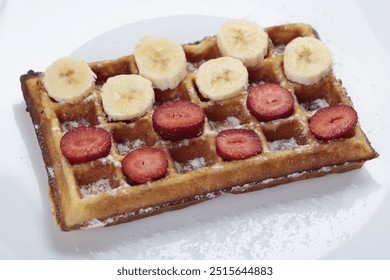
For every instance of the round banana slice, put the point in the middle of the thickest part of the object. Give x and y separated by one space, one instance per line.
222 78
126 97
244 40
68 80
161 61
306 60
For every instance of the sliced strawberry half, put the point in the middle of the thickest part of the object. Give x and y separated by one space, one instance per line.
145 164
178 120
85 144
236 144
333 122
270 102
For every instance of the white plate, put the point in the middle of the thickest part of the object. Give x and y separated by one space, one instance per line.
304 220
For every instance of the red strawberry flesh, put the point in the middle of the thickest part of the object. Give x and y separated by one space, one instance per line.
145 164
85 144
178 120
333 122
236 144
270 102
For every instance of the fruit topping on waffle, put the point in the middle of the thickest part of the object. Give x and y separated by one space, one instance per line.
177 120
173 125
85 144
333 122
145 164
236 144
269 102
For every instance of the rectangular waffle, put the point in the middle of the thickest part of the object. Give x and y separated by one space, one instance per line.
97 193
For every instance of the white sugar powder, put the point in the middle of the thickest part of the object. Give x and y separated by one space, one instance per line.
97 187
110 159
190 164
73 124
283 144
94 223
50 170
233 121
256 84
229 122
191 67
217 167
146 210
320 103
130 145
279 49
296 174
210 195
326 168
315 105
182 143
90 97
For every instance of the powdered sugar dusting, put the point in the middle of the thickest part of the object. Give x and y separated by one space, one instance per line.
233 121
259 83
326 168
50 170
283 144
94 223
128 146
300 149
297 174
146 210
55 128
97 187
209 130
90 97
189 165
68 125
182 143
315 105
245 187
279 49
228 123
110 159
217 166
193 66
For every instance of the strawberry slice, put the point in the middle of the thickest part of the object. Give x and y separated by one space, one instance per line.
270 102
235 144
145 164
333 122
178 120
85 144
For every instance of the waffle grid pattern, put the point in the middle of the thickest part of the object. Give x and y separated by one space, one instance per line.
97 193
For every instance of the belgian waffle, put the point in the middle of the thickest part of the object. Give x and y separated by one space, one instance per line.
96 193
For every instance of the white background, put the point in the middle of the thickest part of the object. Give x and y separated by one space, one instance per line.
335 217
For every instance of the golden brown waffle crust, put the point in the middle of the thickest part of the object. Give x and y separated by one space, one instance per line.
124 202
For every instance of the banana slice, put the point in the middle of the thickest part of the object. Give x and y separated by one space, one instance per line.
68 80
161 61
244 40
126 97
222 78
306 60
